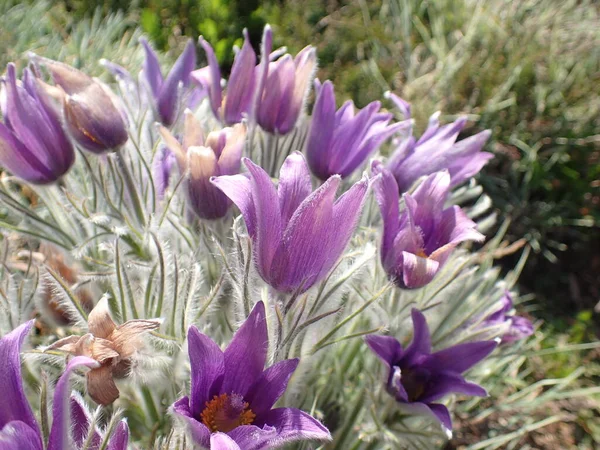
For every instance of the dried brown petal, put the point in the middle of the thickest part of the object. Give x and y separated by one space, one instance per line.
100 323
101 386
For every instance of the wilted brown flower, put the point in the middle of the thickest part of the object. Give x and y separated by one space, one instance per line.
112 345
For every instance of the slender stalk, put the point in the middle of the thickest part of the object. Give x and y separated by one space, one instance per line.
133 193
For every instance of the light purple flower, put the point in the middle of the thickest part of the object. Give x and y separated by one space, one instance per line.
283 88
437 150
232 394
200 159
417 243
417 378
518 327
90 107
19 429
161 169
340 141
166 93
33 143
234 106
298 235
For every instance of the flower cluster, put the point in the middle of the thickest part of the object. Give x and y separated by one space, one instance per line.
174 266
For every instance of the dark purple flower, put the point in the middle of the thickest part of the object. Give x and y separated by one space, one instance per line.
33 143
233 394
19 429
200 159
161 169
418 378
283 88
437 150
166 93
298 235
233 107
340 141
517 327
417 243
90 107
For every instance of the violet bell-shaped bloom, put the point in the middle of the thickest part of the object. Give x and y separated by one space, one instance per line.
232 394
200 159
90 108
237 102
282 93
417 378
33 144
166 93
517 327
437 150
341 141
19 429
417 243
298 235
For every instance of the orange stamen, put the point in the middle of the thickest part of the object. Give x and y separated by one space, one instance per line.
224 413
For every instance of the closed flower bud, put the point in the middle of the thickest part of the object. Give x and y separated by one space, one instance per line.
200 159
33 143
91 114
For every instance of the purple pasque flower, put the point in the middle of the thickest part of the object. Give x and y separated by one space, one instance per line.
417 243
232 394
166 93
340 141
283 88
19 429
437 150
200 159
517 327
90 107
33 144
298 235
417 378
236 104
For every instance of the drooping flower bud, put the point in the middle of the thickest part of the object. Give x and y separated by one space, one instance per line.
200 159
33 143
340 141
91 111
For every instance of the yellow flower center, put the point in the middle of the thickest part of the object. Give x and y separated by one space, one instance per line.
421 253
226 412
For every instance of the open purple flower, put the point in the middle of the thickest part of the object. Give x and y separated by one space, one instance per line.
298 235
166 93
283 89
91 109
340 141
233 107
233 395
417 243
33 143
517 327
417 378
19 429
437 150
200 159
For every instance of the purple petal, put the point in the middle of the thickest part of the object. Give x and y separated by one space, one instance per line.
450 382
151 69
321 132
421 341
262 71
214 89
207 369
387 348
442 415
246 354
240 87
13 403
239 190
277 96
271 385
80 423
418 271
268 218
168 96
18 435
386 194
460 358
220 441
294 185
461 169
59 433
251 437
294 425
453 228
520 328
197 431
120 437
401 104
430 197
